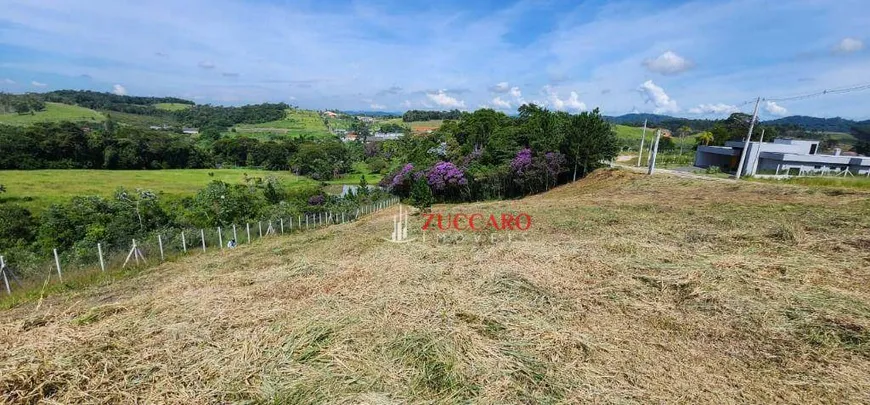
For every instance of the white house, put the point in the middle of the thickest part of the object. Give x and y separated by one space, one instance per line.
782 156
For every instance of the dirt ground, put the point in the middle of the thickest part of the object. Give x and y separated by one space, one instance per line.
627 289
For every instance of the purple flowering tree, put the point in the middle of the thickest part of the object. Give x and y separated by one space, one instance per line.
318 199
446 179
536 173
400 181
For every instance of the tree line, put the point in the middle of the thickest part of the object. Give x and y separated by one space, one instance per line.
68 145
488 154
423 115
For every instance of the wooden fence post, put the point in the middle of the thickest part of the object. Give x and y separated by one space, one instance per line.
248 228
183 242
220 239
202 237
282 225
160 243
260 224
57 263
100 252
235 238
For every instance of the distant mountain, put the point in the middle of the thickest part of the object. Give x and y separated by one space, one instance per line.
812 124
836 124
637 119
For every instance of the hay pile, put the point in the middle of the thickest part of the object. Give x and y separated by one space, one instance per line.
628 289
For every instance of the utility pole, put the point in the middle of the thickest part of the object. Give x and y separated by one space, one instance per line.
655 150
748 138
758 155
642 137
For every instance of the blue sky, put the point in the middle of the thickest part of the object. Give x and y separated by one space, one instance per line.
695 59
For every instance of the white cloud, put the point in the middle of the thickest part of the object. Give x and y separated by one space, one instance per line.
720 108
119 90
657 96
501 104
572 103
406 104
501 87
8 81
38 84
774 109
516 93
376 106
668 63
442 99
848 45
206 64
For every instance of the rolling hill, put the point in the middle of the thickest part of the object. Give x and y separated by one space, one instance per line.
627 289
53 112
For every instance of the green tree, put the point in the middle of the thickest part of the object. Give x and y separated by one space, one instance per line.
705 137
587 140
421 196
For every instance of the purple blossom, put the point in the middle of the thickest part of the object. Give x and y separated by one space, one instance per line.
317 200
402 175
522 162
444 175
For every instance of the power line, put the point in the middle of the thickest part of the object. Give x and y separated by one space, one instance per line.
840 90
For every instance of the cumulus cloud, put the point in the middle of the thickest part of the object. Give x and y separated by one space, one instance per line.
442 99
516 93
376 106
572 103
668 63
849 45
8 81
720 108
206 64
657 96
774 108
501 104
38 84
501 87
119 90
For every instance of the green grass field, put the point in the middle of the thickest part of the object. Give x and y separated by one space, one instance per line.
37 189
172 106
297 123
53 112
857 182
359 169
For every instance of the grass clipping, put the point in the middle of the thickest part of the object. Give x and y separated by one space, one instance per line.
627 289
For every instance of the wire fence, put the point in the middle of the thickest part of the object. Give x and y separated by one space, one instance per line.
167 244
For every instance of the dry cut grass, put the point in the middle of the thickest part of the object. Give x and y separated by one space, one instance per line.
628 289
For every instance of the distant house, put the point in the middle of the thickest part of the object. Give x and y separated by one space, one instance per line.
367 120
384 136
163 127
350 137
330 114
780 157
190 131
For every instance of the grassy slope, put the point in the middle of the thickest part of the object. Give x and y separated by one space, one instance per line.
172 106
53 112
37 189
297 123
629 289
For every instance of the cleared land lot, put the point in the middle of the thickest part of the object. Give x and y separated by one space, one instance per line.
37 189
53 112
297 123
627 289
